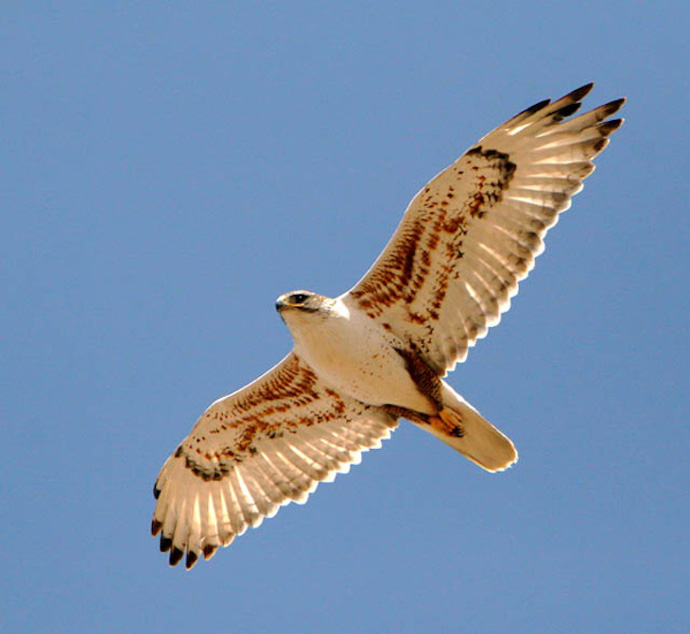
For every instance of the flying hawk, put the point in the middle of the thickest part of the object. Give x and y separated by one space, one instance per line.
376 354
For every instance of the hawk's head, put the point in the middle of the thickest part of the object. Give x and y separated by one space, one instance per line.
311 318
303 301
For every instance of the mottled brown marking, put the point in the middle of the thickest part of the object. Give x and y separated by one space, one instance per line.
426 380
437 220
453 224
422 258
416 318
394 275
475 205
254 420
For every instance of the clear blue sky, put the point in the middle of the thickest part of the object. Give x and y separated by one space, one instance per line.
170 168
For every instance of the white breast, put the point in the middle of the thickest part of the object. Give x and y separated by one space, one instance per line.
349 351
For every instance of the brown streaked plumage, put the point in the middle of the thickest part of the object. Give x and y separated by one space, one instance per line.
378 353
496 192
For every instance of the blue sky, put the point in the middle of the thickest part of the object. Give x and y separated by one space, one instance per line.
171 168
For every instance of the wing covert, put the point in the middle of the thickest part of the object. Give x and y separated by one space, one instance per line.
473 232
264 446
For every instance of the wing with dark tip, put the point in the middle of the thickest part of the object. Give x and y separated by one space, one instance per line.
473 232
266 445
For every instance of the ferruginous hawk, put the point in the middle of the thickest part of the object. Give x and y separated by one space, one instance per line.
376 354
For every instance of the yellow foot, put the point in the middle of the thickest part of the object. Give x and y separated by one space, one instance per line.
448 422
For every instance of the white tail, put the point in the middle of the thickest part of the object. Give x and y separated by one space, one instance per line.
463 428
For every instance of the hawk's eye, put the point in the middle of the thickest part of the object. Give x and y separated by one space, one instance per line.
298 298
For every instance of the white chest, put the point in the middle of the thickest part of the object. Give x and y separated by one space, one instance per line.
356 357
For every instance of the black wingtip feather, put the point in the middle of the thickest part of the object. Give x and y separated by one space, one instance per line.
608 127
580 93
209 550
566 111
175 556
155 527
191 559
156 491
535 108
613 106
600 145
166 544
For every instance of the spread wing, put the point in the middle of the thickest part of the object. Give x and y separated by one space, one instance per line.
266 445
473 232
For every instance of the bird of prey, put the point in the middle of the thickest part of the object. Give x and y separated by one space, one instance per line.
379 352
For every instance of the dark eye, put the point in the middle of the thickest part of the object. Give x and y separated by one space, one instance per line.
298 298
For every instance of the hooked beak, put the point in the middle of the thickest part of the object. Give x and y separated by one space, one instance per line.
281 303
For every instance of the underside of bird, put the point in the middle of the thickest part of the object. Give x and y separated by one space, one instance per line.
447 275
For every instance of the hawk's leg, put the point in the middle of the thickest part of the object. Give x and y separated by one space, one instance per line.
411 415
447 421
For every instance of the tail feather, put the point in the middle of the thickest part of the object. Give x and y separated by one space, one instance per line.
464 429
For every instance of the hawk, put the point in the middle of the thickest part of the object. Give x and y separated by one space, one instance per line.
378 353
